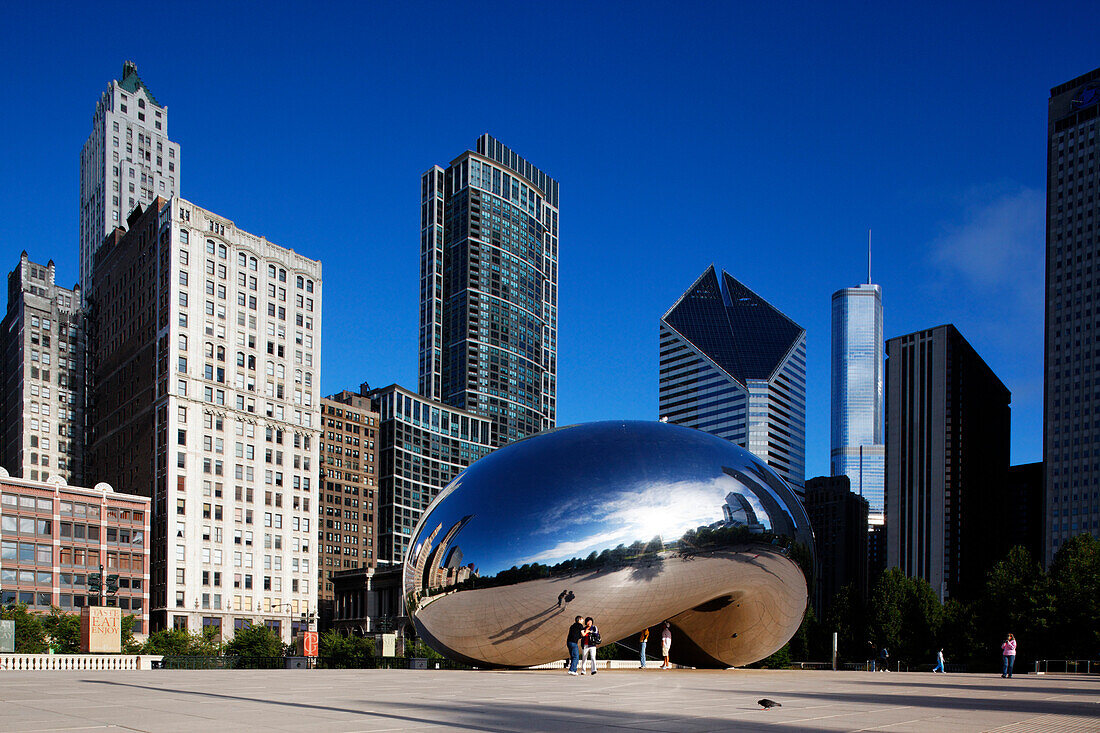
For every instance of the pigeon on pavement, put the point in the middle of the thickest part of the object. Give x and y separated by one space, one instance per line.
765 703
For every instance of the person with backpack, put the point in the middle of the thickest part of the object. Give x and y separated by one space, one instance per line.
572 643
884 659
590 641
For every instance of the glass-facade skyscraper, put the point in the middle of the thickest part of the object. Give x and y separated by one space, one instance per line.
732 365
857 443
1071 440
489 289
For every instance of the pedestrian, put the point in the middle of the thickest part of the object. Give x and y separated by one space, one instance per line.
1008 656
872 652
572 643
590 641
939 662
561 597
884 659
666 644
642 639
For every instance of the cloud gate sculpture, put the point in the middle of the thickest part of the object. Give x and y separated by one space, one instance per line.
633 523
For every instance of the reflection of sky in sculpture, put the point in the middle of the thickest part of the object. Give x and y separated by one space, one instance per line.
586 488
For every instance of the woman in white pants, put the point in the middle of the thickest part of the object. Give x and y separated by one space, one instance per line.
590 641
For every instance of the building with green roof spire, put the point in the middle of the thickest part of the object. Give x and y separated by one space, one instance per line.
126 161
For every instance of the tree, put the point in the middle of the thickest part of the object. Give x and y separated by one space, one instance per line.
63 630
905 616
346 652
885 609
779 660
30 634
255 641
181 643
1017 599
130 645
1075 585
847 616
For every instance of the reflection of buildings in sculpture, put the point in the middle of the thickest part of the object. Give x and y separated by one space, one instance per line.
739 512
437 572
775 516
440 568
422 555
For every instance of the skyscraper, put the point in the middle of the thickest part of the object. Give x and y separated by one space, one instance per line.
839 519
423 445
349 480
127 160
205 346
1071 430
947 432
42 341
858 450
734 366
489 289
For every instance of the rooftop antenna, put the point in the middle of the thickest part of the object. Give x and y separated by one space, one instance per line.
868 256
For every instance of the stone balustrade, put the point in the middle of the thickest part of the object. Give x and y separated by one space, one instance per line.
76 662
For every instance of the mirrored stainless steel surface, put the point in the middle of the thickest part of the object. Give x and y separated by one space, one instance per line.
633 523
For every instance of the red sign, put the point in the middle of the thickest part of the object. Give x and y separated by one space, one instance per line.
309 643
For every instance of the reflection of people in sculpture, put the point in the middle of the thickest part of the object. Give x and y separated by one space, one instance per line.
666 644
590 641
572 643
569 596
561 596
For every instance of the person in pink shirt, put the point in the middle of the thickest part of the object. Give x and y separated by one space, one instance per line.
1008 655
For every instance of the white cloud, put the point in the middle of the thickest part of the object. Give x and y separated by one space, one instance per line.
642 513
1001 244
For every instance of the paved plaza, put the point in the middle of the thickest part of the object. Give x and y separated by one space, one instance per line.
651 700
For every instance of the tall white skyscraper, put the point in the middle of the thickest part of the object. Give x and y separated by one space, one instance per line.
127 160
857 444
205 347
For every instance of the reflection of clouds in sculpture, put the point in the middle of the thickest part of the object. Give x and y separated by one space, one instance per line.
635 523
663 510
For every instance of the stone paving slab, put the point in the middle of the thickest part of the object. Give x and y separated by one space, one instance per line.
343 701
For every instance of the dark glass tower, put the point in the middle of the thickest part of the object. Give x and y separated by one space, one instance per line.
734 366
489 289
947 448
1071 430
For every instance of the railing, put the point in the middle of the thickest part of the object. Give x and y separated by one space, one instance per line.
226 662
389 663
1067 666
76 662
608 664
895 667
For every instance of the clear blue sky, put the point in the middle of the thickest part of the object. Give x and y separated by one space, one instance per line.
765 140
